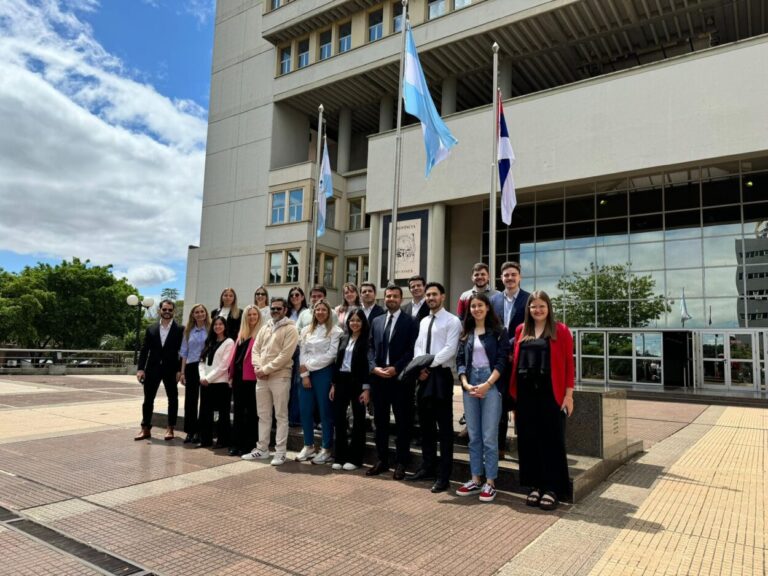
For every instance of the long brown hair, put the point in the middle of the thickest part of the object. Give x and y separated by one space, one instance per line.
529 328
329 321
234 311
349 286
191 321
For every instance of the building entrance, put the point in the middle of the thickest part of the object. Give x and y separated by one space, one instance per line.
730 359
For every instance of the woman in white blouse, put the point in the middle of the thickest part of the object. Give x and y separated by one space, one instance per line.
319 344
214 385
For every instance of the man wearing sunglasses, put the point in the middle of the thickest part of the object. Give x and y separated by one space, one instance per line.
159 360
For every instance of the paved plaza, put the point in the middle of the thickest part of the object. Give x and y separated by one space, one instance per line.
693 503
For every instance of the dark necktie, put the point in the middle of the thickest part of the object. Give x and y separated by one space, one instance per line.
429 334
387 336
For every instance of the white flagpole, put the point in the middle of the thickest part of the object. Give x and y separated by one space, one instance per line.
398 147
319 161
494 170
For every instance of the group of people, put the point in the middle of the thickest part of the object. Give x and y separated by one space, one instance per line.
304 364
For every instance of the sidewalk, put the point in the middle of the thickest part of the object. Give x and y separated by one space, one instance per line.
694 503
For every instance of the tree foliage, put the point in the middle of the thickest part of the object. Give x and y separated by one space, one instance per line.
613 294
72 305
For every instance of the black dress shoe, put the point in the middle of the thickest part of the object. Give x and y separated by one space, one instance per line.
376 469
439 486
421 474
234 452
399 473
189 438
204 445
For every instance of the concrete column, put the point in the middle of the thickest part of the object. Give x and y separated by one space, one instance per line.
386 111
449 96
374 250
345 140
436 254
505 78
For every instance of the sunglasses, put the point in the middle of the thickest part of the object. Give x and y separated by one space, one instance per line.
261 293
166 310
276 309
294 295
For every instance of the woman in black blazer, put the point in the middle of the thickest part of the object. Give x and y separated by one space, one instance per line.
229 311
350 386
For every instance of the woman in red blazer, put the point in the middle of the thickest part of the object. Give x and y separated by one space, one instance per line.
542 385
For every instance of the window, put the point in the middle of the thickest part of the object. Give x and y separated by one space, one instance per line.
285 60
457 4
330 213
287 206
275 4
356 214
284 266
397 17
357 269
326 263
325 44
437 8
376 25
345 37
303 53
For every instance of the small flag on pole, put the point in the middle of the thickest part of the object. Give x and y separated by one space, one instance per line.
324 189
438 140
505 158
684 309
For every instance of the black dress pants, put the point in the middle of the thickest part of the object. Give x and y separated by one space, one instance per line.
436 420
191 397
389 393
245 426
347 392
151 386
215 397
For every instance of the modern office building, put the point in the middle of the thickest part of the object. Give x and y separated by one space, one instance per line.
641 132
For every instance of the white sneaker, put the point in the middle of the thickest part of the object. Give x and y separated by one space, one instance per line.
278 460
255 454
349 467
306 453
324 457
336 466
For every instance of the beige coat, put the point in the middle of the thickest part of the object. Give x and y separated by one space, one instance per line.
273 348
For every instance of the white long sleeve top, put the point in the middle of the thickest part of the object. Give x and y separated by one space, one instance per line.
218 371
445 338
319 348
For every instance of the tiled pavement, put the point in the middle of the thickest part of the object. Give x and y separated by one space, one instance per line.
693 504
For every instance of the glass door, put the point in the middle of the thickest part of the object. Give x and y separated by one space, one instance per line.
730 360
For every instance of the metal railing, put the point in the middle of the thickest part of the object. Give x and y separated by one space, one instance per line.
14 360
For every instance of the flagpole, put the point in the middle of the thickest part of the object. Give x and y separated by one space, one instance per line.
398 146
492 206
318 160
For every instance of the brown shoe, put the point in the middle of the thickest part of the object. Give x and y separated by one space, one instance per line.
399 473
169 434
145 434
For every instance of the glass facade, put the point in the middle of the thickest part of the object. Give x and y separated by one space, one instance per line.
622 252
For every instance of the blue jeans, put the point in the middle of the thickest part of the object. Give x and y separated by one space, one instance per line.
321 387
482 417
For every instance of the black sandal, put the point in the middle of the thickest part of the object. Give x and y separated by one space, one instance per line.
548 501
534 496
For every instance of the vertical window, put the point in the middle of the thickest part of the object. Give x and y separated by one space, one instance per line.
330 213
275 4
376 25
276 268
295 202
284 266
357 269
345 37
325 44
329 264
278 208
352 270
437 8
356 214
397 17
304 53
285 60
292 267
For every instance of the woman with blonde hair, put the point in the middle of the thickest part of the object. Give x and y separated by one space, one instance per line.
229 311
351 299
192 345
542 385
242 379
319 343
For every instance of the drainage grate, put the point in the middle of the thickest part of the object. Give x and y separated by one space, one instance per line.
6 515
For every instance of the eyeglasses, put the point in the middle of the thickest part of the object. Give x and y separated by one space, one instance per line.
293 295
276 309
537 307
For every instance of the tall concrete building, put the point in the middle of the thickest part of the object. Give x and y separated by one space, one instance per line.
641 132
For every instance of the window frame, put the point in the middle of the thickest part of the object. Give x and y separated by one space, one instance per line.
290 212
288 273
284 65
302 55
320 44
375 31
341 38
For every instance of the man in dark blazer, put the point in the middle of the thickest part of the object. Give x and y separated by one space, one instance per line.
509 307
368 301
393 335
417 308
159 360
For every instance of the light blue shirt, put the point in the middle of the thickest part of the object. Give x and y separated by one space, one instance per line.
192 347
509 306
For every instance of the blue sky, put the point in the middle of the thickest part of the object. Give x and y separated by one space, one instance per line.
104 108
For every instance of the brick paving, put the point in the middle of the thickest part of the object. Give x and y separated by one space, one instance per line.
23 556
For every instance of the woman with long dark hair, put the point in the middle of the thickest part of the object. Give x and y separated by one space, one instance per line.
351 299
351 387
297 303
229 311
243 381
192 344
214 385
542 385
480 362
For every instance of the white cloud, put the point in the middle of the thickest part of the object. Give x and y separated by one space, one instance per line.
147 275
93 163
201 10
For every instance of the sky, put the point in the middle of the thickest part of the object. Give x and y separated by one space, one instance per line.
103 120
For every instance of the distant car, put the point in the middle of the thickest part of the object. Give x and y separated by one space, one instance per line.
89 364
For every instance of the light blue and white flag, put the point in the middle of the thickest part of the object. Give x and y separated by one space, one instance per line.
438 140
505 158
324 189
684 315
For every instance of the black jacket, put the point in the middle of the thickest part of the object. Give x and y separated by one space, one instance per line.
159 361
360 368
233 324
404 334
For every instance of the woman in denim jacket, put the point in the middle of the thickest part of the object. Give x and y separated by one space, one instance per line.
482 356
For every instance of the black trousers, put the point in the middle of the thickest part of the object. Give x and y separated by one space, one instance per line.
436 420
389 393
215 397
347 392
151 386
245 425
191 397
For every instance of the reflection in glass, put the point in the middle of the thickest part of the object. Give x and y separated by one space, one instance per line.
742 374
722 251
549 263
683 254
580 234
579 260
720 281
646 228
740 346
612 231
714 372
690 280
611 205
549 237
593 343
695 310
548 284
648 344
526 263
609 255
648 371
620 344
713 345
722 220
620 369
578 313
646 256
613 313
682 225
592 369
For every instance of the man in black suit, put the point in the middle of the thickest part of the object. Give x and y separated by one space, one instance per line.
392 338
368 301
417 308
159 360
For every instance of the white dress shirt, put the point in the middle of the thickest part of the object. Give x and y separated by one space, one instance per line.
395 315
319 348
445 338
218 371
416 306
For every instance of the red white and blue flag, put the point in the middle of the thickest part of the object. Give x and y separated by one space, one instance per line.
505 158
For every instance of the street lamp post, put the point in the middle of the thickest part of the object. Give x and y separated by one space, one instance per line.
147 303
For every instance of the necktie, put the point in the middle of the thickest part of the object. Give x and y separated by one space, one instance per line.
429 334
387 336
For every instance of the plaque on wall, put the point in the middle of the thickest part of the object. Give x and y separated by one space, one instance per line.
410 248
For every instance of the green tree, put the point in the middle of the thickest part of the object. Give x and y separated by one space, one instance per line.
620 298
173 294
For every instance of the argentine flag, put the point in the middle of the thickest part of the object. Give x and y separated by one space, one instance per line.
438 140
505 158
324 189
